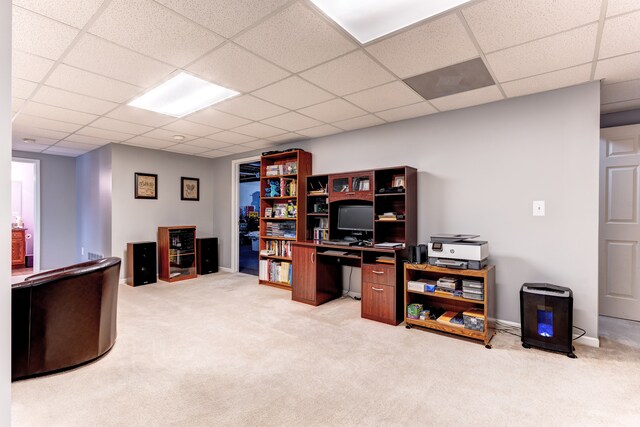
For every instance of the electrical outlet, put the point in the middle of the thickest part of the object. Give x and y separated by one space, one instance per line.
538 208
81 251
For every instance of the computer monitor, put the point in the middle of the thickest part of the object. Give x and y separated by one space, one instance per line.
355 218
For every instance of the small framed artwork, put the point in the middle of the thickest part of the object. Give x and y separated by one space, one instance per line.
146 186
190 188
398 180
268 212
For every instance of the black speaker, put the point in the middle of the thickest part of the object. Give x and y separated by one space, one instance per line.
546 317
418 254
141 263
207 251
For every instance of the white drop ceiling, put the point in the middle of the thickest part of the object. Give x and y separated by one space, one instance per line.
77 63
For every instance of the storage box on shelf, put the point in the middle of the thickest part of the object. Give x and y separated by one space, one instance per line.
283 207
177 253
473 311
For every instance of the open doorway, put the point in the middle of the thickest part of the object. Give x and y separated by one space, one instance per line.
25 216
248 217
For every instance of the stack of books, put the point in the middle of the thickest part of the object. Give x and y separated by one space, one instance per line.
451 318
448 286
388 216
280 229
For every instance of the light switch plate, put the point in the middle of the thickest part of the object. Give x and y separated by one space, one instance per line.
538 208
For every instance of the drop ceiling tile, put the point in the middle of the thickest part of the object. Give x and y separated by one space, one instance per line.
167 135
186 149
261 143
390 95
498 24
619 69
104 134
57 113
620 35
28 66
76 145
319 131
16 104
359 122
26 131
150 29
30 147
616 7
217 119
22 88
468 99
39 35
235 68
542 56
430 46
74 12
190 128
213 154
407 112
347 74
250 107
73 101
334 110
231 137
293 93
25 120
208 143
259 130
120 126
90 84
69 152
84 139
94 54
143 141
296 38
292 121
223 16
237 149
624 91
285 137
140 116
620 106
553 80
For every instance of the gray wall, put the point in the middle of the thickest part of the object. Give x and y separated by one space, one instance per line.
139 219
57 209
93 175
479 171
5 212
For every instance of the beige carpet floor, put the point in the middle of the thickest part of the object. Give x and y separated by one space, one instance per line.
222 351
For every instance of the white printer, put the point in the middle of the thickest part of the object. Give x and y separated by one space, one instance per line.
458 251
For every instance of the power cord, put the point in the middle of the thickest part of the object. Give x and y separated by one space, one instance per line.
511 330
346 295
581 335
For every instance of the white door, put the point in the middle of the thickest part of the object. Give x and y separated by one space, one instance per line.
619 280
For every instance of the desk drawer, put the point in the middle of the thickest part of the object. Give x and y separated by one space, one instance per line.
378 302
379 274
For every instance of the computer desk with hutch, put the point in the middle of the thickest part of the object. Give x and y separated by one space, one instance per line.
317 266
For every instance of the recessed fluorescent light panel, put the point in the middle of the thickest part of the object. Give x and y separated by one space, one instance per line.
367 20
181 95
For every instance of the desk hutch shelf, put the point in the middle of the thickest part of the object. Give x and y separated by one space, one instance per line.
283 204
450 302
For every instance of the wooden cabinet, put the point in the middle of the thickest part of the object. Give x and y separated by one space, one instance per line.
283 208
352 185
18 248
484 279
304 275
177 253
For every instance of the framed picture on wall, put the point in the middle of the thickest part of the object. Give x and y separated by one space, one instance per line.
190 188
146 186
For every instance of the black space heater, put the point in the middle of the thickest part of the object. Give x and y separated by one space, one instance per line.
546 317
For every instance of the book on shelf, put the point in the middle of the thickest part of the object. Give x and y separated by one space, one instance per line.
446 318
275 271
320 234
280 229
285 210
278 248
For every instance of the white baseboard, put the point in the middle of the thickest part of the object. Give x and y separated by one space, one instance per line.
585 340
225 269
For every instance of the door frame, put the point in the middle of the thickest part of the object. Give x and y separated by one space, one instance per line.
235 208
36 207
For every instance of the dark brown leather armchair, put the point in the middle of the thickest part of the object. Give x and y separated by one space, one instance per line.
63 318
